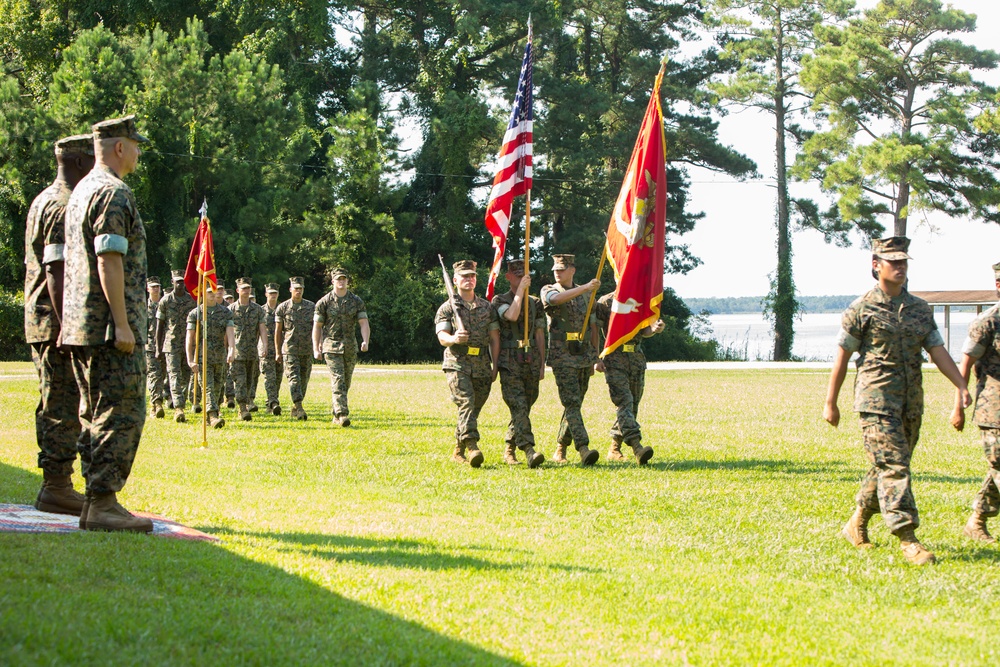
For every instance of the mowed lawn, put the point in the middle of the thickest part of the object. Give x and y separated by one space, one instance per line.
368 546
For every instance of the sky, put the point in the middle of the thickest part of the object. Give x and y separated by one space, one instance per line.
736 239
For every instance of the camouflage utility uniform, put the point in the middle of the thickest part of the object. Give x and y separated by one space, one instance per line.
102 217
213 373
172 311
468 366
519 368
983 346
246 366
156 369
296 348
57 423
888 334
339 317
572 362
625 373
270 367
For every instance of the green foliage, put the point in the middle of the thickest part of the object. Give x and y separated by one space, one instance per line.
12 344
896 87
401 307
676 342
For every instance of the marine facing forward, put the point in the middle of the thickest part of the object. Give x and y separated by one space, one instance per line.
219 350
250 332
293 323
171 325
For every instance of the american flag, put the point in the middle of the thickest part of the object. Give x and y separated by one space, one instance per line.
513 175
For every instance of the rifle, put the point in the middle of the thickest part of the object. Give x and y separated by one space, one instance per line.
451 294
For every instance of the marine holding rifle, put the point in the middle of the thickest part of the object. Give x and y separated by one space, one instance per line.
468 329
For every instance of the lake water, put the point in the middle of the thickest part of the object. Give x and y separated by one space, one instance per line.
815 334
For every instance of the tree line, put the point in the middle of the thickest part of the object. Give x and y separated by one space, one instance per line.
362 134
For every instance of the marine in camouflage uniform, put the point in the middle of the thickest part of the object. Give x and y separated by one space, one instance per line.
103 228
156 367
57 423
219 350
521 367
467 328
572 360
982 352
226 299
171 325
248 320
625 372
293 338
888 327
271 366
337 315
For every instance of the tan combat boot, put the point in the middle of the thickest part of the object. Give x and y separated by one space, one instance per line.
588 456
214 420
84 511
560 455
856 529
975 528
58 497
615 451
299 413
913 550
253 407
104 513
245 413
179 416
158 409
476 457
509 456
459 454
642 454
535 459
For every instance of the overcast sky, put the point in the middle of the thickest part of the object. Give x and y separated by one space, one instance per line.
736 240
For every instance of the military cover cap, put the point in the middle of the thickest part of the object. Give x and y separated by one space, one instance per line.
78 144
516 266
118 127
996 270
271 287
464 267
153 280
219 286
338 272
242 282
296 281
209 287
892 248
560 262
177 276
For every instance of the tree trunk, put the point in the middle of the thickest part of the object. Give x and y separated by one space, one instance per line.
783 304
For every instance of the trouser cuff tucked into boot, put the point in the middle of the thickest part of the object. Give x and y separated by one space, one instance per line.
58 496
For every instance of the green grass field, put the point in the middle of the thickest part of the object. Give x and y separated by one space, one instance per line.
367 546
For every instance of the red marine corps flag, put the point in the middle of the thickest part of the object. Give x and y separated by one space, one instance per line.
636 233
201 261
513 175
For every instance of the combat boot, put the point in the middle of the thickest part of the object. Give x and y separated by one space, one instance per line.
214 420
509 456
475 454
588 456
856 529
179 416
230 403
253 407
245 413
535 459
913 550
615 451
84 511
104 513
975 528
158 409
560 455
58 497
276 410
459 454
196 408
299 413
642 454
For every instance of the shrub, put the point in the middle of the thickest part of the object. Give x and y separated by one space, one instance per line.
12 345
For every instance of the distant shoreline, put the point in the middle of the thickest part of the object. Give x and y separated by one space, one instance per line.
754 305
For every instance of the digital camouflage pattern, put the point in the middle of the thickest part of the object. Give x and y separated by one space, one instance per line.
572 385
339 317
983 346
988 499
886 487
479 318
217 348
112 412
156 369
567 318
469 393
173 310
297 321
44 241
298 369
102 211
57 421
625 373
271 369
889 335
246 328
341 371
519 368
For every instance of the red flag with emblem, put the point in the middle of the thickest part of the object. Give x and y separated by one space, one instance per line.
635 239
202 257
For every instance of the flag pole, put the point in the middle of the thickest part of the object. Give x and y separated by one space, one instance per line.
196 385
204 332
527 257
590 304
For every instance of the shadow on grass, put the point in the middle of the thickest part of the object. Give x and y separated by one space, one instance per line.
150 601
776 466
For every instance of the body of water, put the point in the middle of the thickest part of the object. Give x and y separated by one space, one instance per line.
815 334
